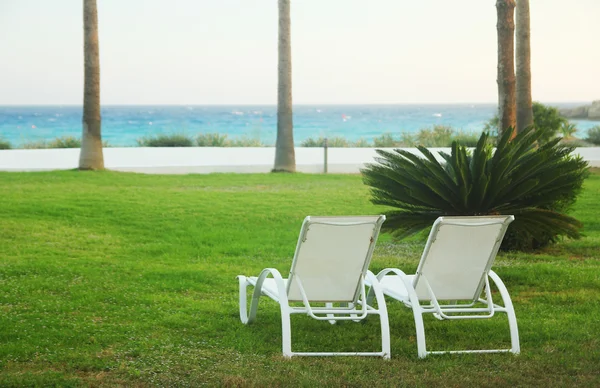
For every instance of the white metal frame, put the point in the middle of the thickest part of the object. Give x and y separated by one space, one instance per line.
355 309
454 310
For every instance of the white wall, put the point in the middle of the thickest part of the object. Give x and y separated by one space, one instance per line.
184 160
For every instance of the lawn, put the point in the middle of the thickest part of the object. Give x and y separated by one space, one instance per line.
126 279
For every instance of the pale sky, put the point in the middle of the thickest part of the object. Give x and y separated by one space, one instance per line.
343 51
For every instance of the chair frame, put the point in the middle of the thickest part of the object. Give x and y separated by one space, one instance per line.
332 312
453 310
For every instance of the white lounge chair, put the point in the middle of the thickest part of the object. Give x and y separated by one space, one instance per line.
329 269
452 278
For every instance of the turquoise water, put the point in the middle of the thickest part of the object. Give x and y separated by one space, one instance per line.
123 125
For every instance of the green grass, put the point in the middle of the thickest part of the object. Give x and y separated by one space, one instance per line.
111 279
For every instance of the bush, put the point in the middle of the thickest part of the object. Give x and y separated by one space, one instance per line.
174 140
467 139
310 142
575 142
385 140
361 143
537 184
335 142
546 119
244 142
593 135
5 145
59 142
65 142
211 140
31 145
439 136
568 130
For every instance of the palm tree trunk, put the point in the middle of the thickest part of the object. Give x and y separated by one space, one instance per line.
523 58
285 158
506 64
91 157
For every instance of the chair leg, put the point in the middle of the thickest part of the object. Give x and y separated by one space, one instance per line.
330 305
510 312
420 330
286 329
286 332
418 316
244 316
383 315
385 327
243 299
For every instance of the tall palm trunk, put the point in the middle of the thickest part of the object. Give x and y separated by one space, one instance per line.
285 158
91 157
523 58
506 64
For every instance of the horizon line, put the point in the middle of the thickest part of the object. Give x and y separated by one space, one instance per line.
297 104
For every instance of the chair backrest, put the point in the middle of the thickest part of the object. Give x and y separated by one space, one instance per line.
458 255
332 257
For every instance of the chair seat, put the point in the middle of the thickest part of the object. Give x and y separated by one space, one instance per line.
269 287
393 286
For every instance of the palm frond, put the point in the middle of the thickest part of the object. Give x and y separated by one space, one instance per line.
536 183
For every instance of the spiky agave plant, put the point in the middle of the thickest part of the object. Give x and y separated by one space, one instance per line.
535 183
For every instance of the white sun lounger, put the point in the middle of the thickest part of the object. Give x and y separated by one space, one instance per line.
452 279
329 269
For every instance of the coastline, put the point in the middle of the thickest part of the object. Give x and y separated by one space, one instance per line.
205 160
123 126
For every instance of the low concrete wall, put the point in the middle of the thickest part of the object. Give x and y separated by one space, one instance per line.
204 160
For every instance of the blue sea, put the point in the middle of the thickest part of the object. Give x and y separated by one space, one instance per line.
123 125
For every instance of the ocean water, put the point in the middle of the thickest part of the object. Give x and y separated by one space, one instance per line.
123 125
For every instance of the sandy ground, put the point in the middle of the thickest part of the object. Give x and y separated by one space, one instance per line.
203 160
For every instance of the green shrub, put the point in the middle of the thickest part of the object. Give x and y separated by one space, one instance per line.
65 142
575 142
211 140
244 142
385 140
438 136
5 145
361 143
335 142
31 145
568 130
172 140
546 119
593 135
407 140
537 184
59 142
466 139
310 142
